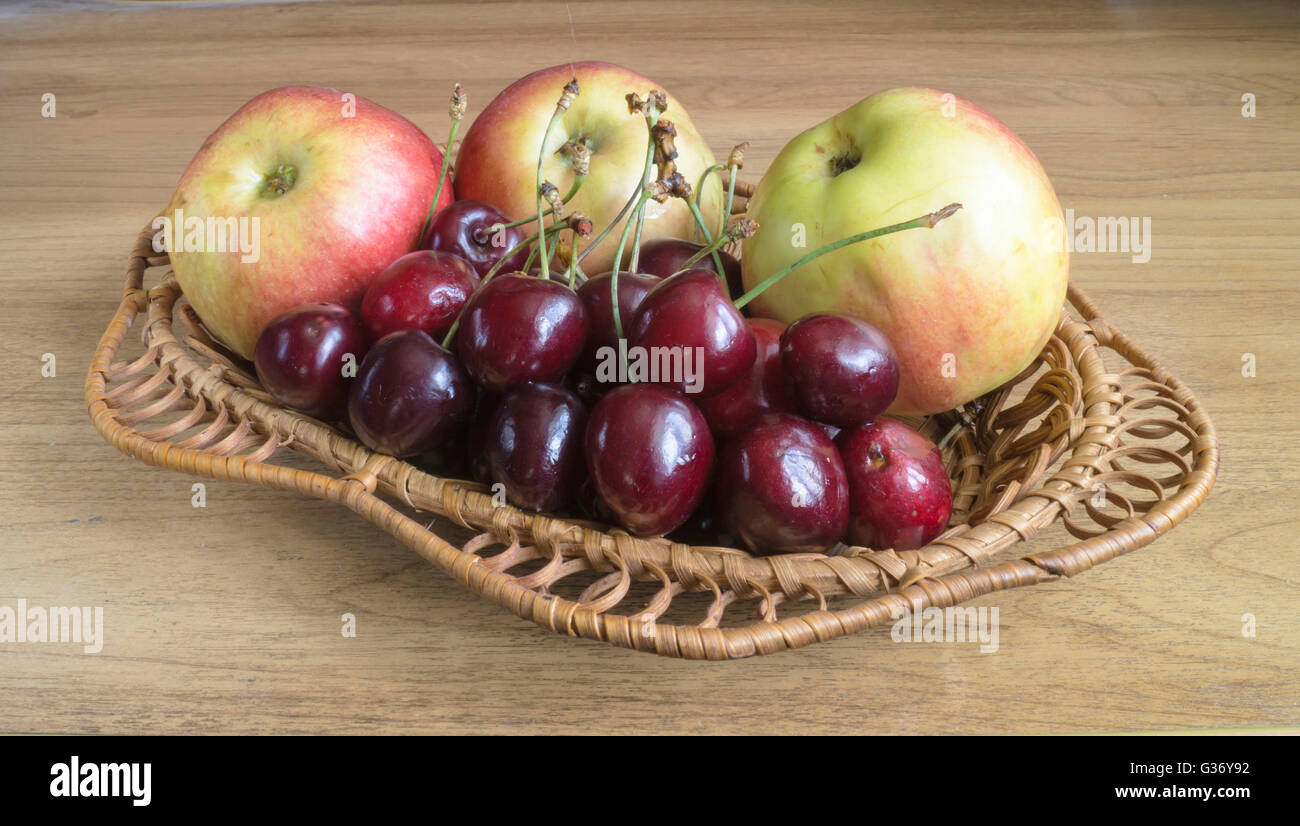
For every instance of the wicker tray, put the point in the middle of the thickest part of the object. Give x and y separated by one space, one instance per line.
1095 433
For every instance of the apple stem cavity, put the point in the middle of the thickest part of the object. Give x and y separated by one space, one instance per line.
561 106
456 110
927 221
281 180
735 163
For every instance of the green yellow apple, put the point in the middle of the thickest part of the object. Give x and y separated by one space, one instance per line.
497 162
303 195
968 304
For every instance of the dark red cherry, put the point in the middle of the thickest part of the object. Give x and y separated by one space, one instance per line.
761 390
665 256
649 453
781 487
900 495
689 319
302 358
410 395
422 290
840 369
475 231
596 294
535 446
516 329
478 435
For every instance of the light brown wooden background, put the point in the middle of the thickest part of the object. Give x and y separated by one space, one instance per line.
227 619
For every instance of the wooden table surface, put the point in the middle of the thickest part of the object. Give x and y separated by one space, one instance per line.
227 618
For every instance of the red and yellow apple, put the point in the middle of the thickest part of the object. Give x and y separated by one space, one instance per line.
332 189
968 304
497 163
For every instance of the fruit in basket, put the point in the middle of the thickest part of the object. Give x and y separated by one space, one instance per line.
410 395
761 390
302 358
422 290
689 318
534 446
899 493
781 487
966 306
649 454
665 256
517 328
497 162
597 295
323 191
476 232
839 369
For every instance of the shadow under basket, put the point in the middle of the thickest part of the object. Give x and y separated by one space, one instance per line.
1095 434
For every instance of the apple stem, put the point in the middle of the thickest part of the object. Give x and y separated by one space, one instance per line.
459 102
561 106
927 221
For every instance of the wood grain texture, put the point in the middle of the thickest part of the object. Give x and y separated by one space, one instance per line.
227 618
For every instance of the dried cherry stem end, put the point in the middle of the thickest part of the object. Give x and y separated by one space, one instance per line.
924 221
741 229
568 196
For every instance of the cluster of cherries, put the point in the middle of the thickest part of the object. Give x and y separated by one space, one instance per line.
474 365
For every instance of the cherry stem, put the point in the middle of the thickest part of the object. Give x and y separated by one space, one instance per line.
926 221
651 118
708 238
709 249
442 176
608 229
496 268
573 190
573 260
699 193
731 195
561 106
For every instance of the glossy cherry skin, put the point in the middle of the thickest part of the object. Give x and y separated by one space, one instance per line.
690 310
477 437
422 290
516 329
535 446
665 256
468 229
761 390
410 395
841 370
650 454
300 358
781 487
596 294
899 493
